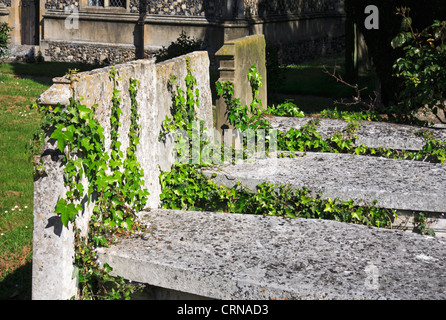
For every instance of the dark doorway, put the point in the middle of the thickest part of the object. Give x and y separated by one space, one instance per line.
30 22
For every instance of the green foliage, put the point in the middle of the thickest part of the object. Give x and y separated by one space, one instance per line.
79 138
238 114
185 187
434 150
379 41
350 116
91 174
120 192
186 102
183 45
184 123
286 109
422 66
244 117
420 224
307 139
95 281
5 29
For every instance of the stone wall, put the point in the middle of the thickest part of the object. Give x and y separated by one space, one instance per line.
61 4
265 8
7 3
236 58
90 53
306 50
300 29
53 247
186 7
158 7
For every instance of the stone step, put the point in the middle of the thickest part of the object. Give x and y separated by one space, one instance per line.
370 133
395 184
235 256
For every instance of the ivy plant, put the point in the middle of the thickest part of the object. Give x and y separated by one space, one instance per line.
421 66
5 29
286 109
112 182
185 187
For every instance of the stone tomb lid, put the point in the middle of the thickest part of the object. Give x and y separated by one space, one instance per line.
235 256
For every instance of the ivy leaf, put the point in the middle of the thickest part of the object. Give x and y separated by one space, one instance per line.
60 137
357 214
100 240
107 268
401 39
84 112
127 224
67 211
85 142
118 215
328 208
80 188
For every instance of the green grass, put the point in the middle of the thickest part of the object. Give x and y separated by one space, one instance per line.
20 85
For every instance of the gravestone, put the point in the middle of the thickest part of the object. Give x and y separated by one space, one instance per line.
233 256
53 244
236 58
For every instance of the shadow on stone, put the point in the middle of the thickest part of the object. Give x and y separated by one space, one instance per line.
55 222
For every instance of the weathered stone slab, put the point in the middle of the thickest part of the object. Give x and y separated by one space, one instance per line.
397 184
233 256
370 133
53 244
236 58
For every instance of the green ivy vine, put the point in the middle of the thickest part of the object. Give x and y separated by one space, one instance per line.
185 187
92 175
308 139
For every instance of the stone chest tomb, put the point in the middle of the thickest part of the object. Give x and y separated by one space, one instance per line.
231 256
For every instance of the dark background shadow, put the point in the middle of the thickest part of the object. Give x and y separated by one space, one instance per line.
17 285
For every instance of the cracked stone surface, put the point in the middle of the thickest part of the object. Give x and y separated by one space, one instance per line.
370 133
234 256
396 184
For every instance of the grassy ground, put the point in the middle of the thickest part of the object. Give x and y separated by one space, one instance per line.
20 85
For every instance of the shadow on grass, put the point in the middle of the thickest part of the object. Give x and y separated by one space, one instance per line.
313 81
44 72
17 284
312 90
